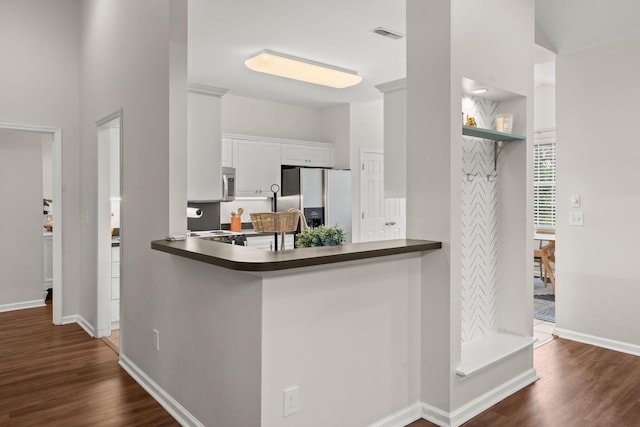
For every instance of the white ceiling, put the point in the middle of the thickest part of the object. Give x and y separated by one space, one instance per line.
223 33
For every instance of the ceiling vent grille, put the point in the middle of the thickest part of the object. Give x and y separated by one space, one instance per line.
388 33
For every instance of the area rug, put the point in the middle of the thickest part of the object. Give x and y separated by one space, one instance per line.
546 297
547 313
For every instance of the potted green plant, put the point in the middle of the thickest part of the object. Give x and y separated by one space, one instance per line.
320 236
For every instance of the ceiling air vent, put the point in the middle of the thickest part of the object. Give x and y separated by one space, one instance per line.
388 33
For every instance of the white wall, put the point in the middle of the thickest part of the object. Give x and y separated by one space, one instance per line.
448 40
184 300
347 336
597 271
250 116
21 254
336 125
39 86
544 104
366 133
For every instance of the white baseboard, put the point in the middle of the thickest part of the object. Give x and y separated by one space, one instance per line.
480 404
84 324
401 418
22 305
620 346
177 411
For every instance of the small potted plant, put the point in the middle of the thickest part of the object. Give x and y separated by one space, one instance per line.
320 236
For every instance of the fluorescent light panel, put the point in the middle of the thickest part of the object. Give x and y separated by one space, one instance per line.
282 65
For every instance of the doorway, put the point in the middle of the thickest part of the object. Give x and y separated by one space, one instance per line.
108 235
56 238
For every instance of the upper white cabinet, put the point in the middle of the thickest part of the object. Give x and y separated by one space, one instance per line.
204 153
257 166
307 155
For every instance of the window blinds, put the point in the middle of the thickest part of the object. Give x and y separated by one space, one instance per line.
544 182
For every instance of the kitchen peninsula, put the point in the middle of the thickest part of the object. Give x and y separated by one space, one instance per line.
339 325
247 259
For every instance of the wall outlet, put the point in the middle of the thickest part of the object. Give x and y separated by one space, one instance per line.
156 339
576 219
291 400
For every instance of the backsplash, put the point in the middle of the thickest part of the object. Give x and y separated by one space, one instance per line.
249 206
479 225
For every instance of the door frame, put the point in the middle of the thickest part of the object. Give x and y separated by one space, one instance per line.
103 222
56 133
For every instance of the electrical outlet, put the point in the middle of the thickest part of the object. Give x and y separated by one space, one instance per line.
291 400
576 219
156 339
86 217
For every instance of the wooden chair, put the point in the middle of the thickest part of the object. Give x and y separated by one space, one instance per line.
544 256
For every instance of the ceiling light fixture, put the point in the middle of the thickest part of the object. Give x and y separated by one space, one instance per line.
479 91
291 67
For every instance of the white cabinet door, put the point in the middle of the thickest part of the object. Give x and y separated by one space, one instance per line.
204 174
266 242
269 167
257 166
306 155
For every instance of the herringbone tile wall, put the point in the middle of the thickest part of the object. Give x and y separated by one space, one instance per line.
479 226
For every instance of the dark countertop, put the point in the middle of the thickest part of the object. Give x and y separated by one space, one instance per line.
242 258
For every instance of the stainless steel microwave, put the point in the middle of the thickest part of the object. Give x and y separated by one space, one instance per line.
228 184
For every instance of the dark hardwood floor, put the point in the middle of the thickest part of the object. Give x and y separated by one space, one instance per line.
580 385
59 376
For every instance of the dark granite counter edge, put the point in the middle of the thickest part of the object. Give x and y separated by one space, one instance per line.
242 258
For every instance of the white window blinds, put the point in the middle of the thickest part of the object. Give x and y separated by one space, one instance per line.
544 181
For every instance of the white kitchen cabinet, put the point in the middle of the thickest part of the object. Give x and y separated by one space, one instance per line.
227 152
266 241
204 152
47 282
115 287
257 166
307 155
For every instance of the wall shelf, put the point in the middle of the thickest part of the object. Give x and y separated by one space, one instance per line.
484 352
497 137
493 135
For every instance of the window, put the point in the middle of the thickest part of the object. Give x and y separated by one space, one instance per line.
544 181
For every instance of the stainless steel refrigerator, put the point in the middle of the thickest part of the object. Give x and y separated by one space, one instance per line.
323 195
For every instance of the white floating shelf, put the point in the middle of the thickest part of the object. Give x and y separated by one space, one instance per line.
483 352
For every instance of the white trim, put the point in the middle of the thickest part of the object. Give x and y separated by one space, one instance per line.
480 404
623 347
276 140
103 218
81 321
203 89
22 305
172 406
56 132
401 418
392 86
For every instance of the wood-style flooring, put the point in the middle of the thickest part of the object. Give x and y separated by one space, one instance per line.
580 385
59 376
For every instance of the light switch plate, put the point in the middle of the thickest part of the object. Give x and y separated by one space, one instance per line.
576 219
575 200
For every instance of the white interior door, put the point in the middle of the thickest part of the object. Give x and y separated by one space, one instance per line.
372 217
